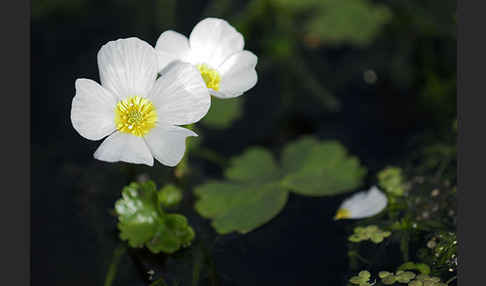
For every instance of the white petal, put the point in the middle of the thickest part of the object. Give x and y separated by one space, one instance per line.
238 74
128 67
168 143
365 204
213 41
124 147
92 110
180 95
171 46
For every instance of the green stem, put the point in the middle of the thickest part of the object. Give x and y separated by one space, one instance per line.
356 254
404 246
117 255
196 270
450 280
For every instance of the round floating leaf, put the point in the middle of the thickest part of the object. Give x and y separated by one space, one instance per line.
223 112
389 280
239 207
365 275
327 170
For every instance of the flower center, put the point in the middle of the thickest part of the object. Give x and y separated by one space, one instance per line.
342 213
210 76
135 115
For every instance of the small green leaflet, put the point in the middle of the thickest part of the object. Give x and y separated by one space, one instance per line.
257 187
142 221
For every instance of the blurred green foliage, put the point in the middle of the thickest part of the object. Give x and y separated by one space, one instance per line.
400 276
421 267
256 187
328 22
169 196
223 112
142 221
362 279
390 179
371 232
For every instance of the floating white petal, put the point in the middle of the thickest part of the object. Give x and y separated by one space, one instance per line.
363 204
180 95
128 67
92 110
124 147
167 143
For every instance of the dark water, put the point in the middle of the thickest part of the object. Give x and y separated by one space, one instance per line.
74 234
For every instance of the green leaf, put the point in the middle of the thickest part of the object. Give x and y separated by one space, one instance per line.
388 280
137 213
223 112
239 207
141 221
423 268
391 180
327 170
383 274
256 188
255 165
356 22
365 275
172 233
296 153
169 196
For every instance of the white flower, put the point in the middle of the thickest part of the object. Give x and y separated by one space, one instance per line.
138 113
216 49
362 204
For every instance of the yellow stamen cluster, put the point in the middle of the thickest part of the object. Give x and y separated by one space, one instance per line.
135 115
210 76
342 214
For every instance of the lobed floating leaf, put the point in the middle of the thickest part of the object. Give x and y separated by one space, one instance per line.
256 187
142 221
239 207
326 170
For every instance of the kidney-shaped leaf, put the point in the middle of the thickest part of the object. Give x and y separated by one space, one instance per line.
255 165
257 188
326 170
239 207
